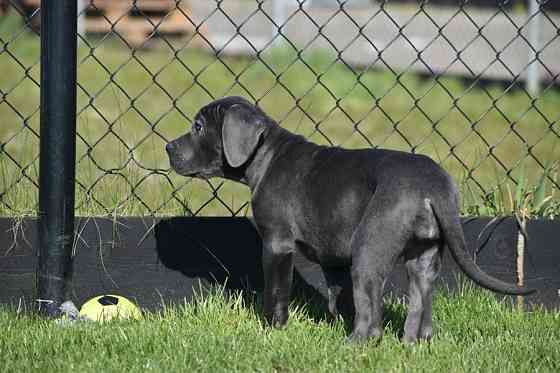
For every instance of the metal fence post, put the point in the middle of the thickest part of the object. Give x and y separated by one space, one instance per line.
57 151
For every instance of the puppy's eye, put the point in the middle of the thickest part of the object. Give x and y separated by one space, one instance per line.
197 126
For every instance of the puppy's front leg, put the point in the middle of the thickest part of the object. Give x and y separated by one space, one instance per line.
278 273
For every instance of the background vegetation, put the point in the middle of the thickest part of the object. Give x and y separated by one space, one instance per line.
131 103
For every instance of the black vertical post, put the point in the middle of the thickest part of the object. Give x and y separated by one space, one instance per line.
57 151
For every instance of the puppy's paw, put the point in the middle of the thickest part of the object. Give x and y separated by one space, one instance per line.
409 339
372 336
277 320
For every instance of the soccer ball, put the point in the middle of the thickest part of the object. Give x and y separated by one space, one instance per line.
108 307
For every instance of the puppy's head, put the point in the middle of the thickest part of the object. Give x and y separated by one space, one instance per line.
223 137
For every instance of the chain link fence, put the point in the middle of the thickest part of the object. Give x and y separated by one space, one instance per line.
475 88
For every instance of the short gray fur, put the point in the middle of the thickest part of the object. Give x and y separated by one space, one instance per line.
354 212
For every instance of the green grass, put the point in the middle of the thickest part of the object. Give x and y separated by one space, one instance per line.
122 167
475 333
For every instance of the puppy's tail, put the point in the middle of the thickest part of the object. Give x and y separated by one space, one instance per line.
447 215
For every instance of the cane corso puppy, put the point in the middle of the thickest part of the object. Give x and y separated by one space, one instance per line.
354 212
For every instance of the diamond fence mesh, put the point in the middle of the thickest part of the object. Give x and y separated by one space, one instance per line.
455 82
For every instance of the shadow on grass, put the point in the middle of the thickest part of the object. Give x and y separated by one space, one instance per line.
231 262
315 305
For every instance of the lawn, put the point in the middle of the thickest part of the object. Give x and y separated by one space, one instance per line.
130 103
475 333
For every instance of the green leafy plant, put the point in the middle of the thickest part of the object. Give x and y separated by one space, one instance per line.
523 202
534 201
526 203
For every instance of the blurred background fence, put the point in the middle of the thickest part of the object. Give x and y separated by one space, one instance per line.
473 84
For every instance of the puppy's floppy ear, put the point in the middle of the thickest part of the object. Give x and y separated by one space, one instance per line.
241 131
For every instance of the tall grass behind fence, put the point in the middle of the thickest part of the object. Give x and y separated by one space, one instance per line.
136 94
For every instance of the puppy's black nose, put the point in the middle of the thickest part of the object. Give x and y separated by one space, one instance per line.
169 147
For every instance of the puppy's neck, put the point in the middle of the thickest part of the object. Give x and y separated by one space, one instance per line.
274 143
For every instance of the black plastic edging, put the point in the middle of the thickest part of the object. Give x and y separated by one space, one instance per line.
156 261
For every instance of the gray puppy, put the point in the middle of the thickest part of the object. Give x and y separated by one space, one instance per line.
354 212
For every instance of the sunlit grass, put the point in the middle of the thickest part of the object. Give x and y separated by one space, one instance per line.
218 334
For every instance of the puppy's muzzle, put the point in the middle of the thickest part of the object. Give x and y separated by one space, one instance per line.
171 150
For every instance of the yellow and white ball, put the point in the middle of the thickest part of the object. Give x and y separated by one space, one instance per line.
109 307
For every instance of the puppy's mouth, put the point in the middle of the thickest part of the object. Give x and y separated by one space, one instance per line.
193 174
199 175
202 175
176 166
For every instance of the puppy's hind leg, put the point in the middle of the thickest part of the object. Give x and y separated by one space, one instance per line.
422 272
376 247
